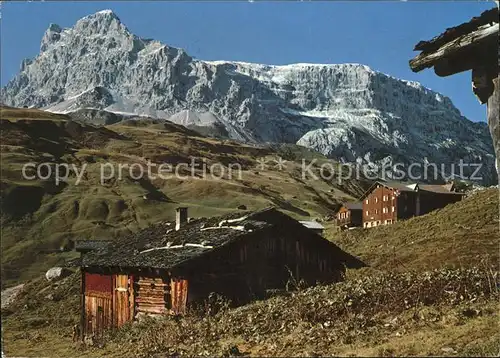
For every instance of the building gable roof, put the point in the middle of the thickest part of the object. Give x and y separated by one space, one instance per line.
440 189
413 187
410 187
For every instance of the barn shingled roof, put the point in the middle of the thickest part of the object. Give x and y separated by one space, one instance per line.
161 246
89 245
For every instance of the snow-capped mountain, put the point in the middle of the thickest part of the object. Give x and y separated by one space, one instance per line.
346 111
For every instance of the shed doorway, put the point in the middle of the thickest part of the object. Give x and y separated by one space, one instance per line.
123 300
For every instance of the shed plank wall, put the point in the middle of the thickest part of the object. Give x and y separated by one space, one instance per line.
98 303
98 314
246 269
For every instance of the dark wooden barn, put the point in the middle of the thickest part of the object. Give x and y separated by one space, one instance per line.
350 215
166 267
387 202
471 46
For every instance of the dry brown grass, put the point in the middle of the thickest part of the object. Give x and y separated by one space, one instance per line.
441 312
12 113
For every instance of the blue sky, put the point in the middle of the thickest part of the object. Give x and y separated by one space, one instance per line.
378 34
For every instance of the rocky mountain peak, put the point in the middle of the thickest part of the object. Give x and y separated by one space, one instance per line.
104 22
54 28
346 111
51 36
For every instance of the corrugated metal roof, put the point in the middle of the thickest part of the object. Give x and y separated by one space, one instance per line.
401 186
312 225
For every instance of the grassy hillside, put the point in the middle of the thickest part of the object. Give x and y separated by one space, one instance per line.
462 234
413 300
431 288
31 113
41 216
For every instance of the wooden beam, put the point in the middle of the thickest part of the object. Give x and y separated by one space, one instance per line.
83 326
494 121
454 47
482 82
476 56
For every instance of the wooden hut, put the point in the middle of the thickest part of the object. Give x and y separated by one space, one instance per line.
473 45
166 267
350 215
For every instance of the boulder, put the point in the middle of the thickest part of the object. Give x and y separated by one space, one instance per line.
57 273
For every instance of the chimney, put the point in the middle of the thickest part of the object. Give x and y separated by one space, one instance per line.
181 217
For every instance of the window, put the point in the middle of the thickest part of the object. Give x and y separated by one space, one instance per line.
392 209
376 200
385 210
367 213
376 211
367 201
386 198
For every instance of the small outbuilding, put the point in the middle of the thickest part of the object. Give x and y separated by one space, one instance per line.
350 215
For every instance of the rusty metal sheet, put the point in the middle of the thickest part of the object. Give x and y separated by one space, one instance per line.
95 282
179 291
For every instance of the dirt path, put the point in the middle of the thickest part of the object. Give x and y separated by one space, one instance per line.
9 294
